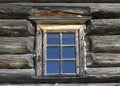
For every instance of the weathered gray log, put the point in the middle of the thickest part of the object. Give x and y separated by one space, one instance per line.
105 27
16 45
65 84
61 1
27 76
16 75
104 60
104 71
16 28
98 10
16 61
78 1
15 11
109 44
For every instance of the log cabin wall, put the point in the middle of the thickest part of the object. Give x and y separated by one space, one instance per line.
17 39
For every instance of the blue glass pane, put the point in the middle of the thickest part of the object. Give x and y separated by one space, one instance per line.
53 52
53 67
68 52
68 38
53 38
68 67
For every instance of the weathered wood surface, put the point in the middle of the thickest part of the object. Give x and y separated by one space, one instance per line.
70 84
62 11
105 44
61 1
103 60
105 27
16 45
16 61
104 71
16 75
10 11
16 28
63 84
98 10
78 1
27 76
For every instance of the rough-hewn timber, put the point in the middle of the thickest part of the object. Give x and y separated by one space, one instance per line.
105 27
62 11
109 44
16 28
61 1
15 75
16 61
98 10
15 11
104 60
16 45
27 76
104 71
63 84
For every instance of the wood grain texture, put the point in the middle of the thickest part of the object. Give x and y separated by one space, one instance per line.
16 45
16 61
105 27
62 10
97 10
12 11
61 1
104 71
16 28
105 44
61 84
104 60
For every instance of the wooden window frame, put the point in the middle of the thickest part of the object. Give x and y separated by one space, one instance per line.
40 47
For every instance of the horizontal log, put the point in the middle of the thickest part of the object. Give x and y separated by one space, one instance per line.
16 45
105 27
61 1
105 44
104 60
27 76
104 71
16 28
78 1
98 10
16 61
65 84
10 11
16 75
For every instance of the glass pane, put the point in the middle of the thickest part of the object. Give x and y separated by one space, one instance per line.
68 52
53 67
68 67
53 38
53 52
68 38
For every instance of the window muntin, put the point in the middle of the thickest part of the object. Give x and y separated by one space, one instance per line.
61 53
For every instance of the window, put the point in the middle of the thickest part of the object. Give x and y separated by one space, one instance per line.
60 45
62 50
60 53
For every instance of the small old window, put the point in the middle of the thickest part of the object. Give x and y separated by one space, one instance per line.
60 46
62 50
